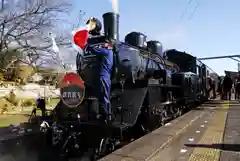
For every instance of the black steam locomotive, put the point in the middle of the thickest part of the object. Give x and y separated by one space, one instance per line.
148 88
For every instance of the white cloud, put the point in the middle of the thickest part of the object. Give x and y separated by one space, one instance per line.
172 37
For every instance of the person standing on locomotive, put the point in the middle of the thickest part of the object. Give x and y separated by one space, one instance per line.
102 69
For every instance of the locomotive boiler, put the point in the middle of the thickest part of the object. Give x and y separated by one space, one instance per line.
148 88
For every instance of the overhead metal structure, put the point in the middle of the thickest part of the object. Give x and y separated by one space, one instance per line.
233 57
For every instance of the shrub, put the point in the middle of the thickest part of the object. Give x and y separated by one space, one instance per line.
11 97
4 108
16 103
28 102
4 105
1 76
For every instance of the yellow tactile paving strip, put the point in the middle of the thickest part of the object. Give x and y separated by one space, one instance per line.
213 135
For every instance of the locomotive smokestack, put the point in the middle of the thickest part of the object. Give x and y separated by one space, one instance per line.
111 26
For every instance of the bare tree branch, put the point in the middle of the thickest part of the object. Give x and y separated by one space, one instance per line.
23 28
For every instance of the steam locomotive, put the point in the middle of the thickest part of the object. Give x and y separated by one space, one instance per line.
148 88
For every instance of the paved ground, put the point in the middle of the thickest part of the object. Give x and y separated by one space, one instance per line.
161 144
207 139
200 135
26 110
231 139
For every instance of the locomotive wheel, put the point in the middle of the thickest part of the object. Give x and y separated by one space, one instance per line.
163 117
106 146
151 122
178 112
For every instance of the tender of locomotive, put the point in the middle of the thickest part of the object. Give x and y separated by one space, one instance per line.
148 88
201 75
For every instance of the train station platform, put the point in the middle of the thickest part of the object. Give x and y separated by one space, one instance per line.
211 132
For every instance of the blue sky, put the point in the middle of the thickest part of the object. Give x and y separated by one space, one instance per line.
213 30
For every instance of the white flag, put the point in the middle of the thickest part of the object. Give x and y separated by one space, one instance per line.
55 49
54 44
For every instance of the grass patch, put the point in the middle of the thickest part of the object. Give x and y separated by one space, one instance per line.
14 120
7 104
28 102
32 102
53 101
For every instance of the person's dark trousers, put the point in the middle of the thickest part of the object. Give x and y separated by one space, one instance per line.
222 95
237 91
236 95
214 93
225 94
208 92
43 107
43 112
229 95
103 88
34 111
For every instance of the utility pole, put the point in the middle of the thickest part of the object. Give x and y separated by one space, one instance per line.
2 5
